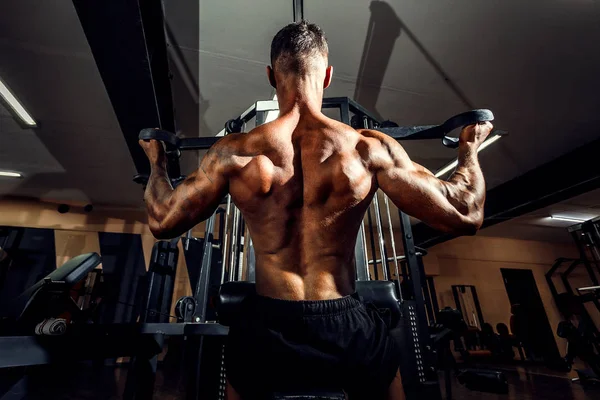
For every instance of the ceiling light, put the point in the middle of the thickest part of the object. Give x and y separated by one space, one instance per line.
16 106
447 168
566 219
485 144
588 288
11 174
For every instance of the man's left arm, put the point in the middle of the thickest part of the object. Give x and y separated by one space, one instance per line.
171 212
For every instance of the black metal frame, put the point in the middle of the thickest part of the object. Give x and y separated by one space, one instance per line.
101 341
161 281
420 327
587 238
298 6
559 262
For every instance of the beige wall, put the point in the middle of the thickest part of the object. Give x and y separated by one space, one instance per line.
76 232
477 261
469 260
72 243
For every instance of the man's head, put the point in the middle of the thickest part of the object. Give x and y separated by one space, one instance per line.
299 49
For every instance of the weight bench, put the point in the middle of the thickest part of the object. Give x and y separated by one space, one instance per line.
382 294
50 296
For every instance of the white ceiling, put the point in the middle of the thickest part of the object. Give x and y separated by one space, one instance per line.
534 63
78 153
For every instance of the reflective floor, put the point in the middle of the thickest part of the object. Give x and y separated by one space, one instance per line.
531 383
83 382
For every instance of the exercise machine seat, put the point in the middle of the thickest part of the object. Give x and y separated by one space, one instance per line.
381 294
231 296
70 273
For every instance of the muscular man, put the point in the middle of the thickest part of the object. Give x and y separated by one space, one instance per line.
303 183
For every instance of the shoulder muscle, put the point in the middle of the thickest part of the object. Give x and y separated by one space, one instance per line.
381 151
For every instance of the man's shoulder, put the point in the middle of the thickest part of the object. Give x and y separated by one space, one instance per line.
373 135
230 143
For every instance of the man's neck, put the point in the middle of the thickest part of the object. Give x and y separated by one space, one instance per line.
300 95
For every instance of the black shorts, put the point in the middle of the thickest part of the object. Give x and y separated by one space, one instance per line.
280 346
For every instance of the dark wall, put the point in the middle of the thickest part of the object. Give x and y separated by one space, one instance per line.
31 256
124 273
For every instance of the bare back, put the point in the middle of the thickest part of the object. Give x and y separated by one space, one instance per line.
303 189
303 183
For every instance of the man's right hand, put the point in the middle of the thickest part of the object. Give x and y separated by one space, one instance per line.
475 134
155 152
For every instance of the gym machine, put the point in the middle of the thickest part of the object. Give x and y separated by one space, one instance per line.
578 304
416 295
228 257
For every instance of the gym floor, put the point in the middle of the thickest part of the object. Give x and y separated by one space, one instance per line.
526 383
83 383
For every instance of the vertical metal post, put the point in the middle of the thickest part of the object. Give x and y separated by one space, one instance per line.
360 249
404 270
233 246
240 248
298 10
360 255
421 336
251 261
373 250
578 235
345 112
225 236
201 294
594 237
188 237
260 118
382 251
477 305
393 240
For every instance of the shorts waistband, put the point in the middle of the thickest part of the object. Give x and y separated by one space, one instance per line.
307 307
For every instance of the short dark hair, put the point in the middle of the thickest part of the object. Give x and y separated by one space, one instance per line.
295 44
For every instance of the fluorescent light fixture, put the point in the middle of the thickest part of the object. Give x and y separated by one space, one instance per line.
11 174
447 168
454 163
16 106
588 288
566 219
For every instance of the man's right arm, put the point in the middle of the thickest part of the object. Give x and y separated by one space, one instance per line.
453 206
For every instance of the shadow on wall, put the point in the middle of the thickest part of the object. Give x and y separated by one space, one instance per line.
124 272
31 256
382 32
190 106
384 29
